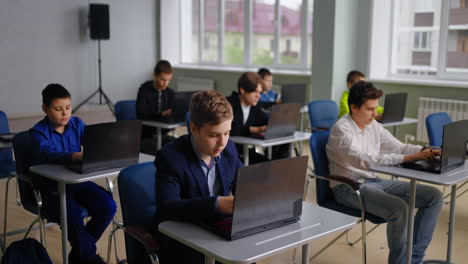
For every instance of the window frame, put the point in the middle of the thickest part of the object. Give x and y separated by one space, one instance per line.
441 72
248 38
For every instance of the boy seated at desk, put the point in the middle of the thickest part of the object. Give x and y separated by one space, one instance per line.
57 139
249 119
358 142
268 97
352 78
196 173
155 101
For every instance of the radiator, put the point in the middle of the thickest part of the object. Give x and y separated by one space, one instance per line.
457 110
186 84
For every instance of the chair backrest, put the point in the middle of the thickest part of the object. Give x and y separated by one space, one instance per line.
6 153
22 143
187 122
323 114
318 142
435 127
138 201
125 110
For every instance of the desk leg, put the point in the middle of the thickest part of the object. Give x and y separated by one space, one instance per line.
246 155
270 152
301 123
158 138
209 260
453 198
305 254
63 220
395 130
291 149
409 239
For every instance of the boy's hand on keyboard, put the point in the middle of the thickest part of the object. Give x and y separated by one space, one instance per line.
77 156
226 204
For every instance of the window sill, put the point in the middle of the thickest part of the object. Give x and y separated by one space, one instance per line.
240 69
437 83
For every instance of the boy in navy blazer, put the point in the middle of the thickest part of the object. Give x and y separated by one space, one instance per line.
196 173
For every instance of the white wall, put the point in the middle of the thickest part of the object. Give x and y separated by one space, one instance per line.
47 41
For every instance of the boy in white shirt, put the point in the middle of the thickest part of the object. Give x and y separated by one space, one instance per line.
358 142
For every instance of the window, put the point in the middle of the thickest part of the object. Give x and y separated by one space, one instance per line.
429 38
272 33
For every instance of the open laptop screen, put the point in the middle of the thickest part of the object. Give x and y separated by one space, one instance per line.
454 145
268 193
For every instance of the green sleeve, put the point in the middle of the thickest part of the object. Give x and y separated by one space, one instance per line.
380 110
344 108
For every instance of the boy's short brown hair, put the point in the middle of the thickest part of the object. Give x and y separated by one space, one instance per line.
209 107
249 82
163 66
361 92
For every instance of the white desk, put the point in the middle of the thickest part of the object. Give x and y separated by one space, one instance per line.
315 223
63 176
5 145
450 178
405 121
246 141
159 126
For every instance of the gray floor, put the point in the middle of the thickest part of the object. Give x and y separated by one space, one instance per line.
339 253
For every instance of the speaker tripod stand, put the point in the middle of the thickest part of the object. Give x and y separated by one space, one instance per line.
99 90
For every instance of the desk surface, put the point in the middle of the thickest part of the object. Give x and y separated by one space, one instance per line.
163 124
449 178
5 145
315 222
405 121
298 136
60 173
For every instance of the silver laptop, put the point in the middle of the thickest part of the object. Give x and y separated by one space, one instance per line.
282 122
394 107
294 93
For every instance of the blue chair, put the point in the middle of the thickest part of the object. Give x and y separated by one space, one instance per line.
125 110
435 127
322 114
31 198
138 203
325 197
7 165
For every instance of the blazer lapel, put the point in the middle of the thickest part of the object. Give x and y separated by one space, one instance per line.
197 172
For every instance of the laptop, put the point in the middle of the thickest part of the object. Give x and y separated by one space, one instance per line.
282 122
109 145
453 150
294 93
181 106
394 107
268 195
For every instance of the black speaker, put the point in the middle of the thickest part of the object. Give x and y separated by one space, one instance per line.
99 21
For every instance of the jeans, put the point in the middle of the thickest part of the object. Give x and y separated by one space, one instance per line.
388 199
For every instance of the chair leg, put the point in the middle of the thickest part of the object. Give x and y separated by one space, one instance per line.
42 231
5 213
154 258
109 244
352 243
30 227
18 198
